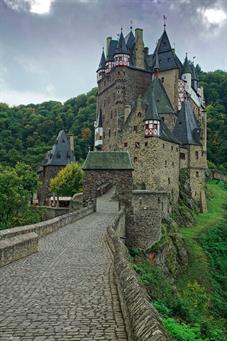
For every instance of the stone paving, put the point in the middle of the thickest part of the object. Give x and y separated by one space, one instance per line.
67 290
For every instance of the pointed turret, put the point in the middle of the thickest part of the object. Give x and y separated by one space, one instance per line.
130 40
102 67
152 119
102 63
186 66
99 131
195 81
156 66
122 55
187 75
187 130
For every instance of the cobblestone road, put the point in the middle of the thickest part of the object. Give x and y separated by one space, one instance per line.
66 291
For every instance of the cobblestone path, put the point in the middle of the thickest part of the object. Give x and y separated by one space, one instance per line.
67 290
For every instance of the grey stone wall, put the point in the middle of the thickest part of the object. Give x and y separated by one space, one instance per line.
148 210
142 320
19 242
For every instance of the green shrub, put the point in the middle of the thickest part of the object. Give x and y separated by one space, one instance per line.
183 332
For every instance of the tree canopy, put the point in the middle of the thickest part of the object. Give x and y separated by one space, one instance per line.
68 181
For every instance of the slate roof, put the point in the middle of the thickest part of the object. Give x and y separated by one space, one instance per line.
102 63
61 153
111 50
186 66
130 40
163 103
187 130
108 161
100 120
121 46
151 112
166 134
167 57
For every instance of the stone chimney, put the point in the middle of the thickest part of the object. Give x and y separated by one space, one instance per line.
108 40
139 48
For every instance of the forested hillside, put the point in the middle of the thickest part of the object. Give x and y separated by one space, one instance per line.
27 132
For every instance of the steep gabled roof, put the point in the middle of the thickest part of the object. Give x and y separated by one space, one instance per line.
167 57
102 63
61 153
187 130
166 134
194 74
163 103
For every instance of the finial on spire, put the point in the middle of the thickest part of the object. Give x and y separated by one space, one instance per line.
186 54
164 19
121 28
131 25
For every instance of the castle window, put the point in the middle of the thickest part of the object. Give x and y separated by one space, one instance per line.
135 129
137 145
162 79
146 144
58 155
176 149
169 181
139 114
163 146
165 163
163 119
197 155
172 163
155 126
126 144
197 174
182 156
135 159
171 147
103 135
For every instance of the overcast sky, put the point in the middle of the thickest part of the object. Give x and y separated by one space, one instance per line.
50 49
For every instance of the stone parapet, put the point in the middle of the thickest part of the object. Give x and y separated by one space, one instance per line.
142 320
21 241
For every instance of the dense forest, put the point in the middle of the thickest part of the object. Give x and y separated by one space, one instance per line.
28 131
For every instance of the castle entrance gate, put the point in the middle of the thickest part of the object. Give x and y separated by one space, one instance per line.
108 169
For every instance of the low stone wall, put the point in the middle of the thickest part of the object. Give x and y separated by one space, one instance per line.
53 212
142 320
19 242
216 175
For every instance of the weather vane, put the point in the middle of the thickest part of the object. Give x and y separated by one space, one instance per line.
130 24
164 19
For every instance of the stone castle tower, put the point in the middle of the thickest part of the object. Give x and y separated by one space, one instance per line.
152 106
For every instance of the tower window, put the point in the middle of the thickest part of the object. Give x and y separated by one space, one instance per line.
109 132
163 119
165 163
197 155
197 174
163 146
135 159
169 181
126 144
171 147
172 163
162 79
146 144
137 145
135 129
139 114
182 156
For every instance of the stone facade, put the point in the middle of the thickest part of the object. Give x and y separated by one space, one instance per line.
148 210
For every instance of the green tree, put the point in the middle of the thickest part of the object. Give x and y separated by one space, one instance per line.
68 181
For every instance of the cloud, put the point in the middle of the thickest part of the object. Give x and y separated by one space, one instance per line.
213 16
40 7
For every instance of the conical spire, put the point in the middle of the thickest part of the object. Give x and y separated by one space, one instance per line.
100 120
152 111
102 63
121 46
186 67
194 74
156 65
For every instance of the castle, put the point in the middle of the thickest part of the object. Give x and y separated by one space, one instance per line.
152 106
